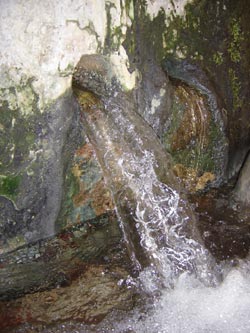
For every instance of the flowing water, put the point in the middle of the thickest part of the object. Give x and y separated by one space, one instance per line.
137 171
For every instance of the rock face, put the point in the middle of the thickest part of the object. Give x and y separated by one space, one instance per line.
215 37
242 193
59 260
42 188
32 180
40 129
49 176
149 199
195 131
41 184
88 300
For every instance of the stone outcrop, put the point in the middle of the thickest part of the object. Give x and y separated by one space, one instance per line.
88 299
40 129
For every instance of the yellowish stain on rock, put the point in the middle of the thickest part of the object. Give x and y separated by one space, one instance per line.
204 180
191 179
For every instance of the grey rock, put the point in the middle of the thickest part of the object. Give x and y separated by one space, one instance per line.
242 192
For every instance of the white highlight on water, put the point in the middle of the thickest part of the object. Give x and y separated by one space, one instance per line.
158 219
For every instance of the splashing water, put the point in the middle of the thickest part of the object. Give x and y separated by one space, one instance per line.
192 307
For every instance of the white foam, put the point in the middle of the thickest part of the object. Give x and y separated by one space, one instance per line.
191 307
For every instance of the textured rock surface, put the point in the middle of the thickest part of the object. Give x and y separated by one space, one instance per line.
215 36
39 126
160 101
242 192
57 261
138 170
49 46
87 196
96 291
194 132
38 166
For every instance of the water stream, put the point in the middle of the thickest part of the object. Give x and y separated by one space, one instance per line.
157 221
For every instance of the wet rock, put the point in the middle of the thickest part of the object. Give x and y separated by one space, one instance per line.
242 193
194 132
144 46
138 171
87 196
214 37
40 164
88 299
224 229
60 182
191 179
59 260
153 95
94 73
10 219
204 180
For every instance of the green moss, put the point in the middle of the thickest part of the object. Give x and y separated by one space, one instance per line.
195 154
72 188
176 118
237 37
144 40
215 36
9 185
208 28
19 118
201 161
218 58
236 89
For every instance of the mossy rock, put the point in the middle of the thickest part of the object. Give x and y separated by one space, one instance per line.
9 185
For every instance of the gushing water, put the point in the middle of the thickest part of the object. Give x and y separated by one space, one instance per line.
137 170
